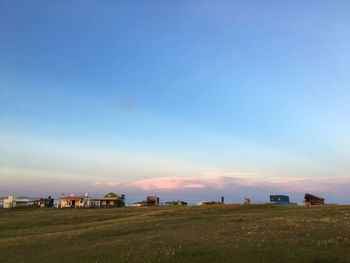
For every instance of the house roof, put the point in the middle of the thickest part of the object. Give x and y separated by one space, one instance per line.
112 195
73 197
315 196
23 200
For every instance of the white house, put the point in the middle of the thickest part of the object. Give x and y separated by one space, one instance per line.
9 202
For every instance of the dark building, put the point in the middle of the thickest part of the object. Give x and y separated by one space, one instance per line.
280 200
44 202
313 199
152 200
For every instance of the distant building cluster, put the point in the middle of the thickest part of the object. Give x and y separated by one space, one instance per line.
12 201
112 200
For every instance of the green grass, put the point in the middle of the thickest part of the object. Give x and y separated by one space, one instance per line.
177 234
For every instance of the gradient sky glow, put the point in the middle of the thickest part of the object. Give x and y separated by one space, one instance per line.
185 99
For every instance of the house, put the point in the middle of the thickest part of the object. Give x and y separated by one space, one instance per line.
247 201
9 202
44 202
176 203
206 203
23 201
280 200
151 200
76 201
109 201
311 199
20 201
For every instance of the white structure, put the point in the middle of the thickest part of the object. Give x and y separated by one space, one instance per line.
23 202
12 201
9 202
206 203
75 201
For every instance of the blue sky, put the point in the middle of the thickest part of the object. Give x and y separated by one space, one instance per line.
243 98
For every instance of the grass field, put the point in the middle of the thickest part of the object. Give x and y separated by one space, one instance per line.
177 234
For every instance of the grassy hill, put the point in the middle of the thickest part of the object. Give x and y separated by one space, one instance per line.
177 234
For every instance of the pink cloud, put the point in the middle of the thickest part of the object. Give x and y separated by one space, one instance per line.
168 183
236 179
210 180
112 183
109 183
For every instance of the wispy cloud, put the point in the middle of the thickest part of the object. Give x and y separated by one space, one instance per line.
112 183
232 180
207 180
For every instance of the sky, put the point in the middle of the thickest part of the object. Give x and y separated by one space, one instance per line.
187 100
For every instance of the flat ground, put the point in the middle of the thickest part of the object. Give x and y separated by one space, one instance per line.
177 234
